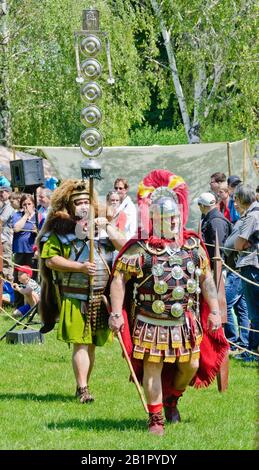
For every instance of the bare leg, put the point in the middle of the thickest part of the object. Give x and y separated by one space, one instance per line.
152 381
83 361
184 373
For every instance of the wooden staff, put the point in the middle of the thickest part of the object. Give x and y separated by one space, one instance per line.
134 377
91 170
222 376
124 350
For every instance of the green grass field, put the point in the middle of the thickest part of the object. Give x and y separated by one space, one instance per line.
38 409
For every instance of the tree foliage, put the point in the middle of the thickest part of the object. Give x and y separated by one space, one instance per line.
215 53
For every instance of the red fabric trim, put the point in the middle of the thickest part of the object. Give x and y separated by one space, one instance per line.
155 408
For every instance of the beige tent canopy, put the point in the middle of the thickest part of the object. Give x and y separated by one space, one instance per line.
195 163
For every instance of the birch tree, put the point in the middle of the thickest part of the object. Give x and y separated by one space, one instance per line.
5 124
208 39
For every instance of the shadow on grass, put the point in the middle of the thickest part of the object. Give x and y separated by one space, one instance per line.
99 424
50 397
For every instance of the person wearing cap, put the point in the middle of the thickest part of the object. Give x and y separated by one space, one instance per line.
6 213
64 245
27 287
213 221
164 300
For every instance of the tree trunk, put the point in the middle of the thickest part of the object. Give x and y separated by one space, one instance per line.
5 121
174 71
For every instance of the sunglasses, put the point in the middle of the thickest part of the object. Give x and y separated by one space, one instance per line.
118 187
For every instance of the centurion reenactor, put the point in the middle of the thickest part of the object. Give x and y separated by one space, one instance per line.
164 300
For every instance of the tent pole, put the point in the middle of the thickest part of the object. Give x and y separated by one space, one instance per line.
229 155
244 160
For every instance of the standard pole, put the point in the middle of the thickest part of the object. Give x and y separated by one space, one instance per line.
91 234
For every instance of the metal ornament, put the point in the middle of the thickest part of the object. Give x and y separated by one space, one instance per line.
198 272
90 45
90 169
190 303
161 287
91 92
157 270
91 142
158 306
198 290
177 272
191 286
175 259
91 116
91 68
190 267
176 310
178 293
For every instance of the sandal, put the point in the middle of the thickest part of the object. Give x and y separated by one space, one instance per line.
84 395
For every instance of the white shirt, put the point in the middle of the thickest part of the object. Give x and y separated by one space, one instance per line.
128 207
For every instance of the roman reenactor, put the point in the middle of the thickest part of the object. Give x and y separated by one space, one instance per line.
164 300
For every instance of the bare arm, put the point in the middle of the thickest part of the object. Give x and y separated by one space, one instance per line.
210 294
117 238
117 297
58 263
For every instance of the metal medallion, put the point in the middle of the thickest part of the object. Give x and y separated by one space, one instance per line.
178 293
91 116
158 306
157 270
160 287
175 259
198 272
91 142
177 272
176 310
191 286
91 68
190 267
91 92
90 45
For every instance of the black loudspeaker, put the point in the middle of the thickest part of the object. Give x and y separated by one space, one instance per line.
28 172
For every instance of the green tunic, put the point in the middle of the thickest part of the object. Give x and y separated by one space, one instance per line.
72 323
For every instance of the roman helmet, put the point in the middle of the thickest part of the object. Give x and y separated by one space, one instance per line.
163 202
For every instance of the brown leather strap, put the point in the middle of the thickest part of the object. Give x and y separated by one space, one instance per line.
79 290
74 290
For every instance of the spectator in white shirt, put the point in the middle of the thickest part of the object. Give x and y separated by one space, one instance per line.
127 206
